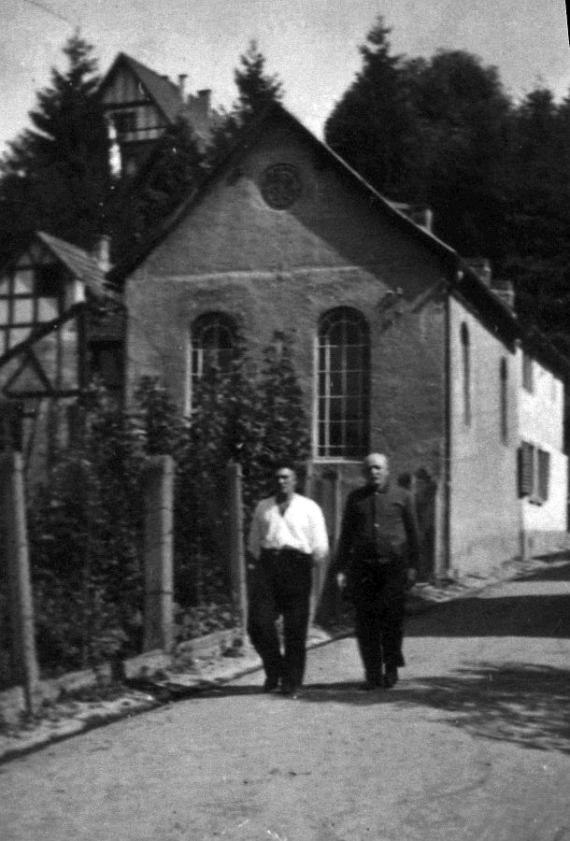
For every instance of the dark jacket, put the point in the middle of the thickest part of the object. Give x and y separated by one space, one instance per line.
378 526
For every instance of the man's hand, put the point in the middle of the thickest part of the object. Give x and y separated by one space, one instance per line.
341 580
412 575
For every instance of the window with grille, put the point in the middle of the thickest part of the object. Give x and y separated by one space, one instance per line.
343 374
534 473
213 344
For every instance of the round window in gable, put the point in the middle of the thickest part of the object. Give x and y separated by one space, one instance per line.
280 186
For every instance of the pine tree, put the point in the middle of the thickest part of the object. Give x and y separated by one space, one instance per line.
55 175
372 127
256 91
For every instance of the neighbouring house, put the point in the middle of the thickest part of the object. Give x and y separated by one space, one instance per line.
60 326
140 105
401 346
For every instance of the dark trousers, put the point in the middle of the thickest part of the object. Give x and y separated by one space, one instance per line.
379 596
281 587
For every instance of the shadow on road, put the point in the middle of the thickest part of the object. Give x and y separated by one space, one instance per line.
519 703
540 608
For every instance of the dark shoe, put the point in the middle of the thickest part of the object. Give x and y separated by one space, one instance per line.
271 684
391 678
290 691
371 685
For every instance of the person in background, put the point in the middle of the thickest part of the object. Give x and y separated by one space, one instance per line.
378 553
287 536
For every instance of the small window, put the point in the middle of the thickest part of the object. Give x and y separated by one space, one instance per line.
504 405
527 372
48 281
213 344
106 363
466 370
125 122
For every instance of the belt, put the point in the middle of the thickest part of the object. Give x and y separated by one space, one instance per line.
275 553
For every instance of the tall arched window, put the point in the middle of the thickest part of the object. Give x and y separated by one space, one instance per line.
504 376
213 343
343 384
466 370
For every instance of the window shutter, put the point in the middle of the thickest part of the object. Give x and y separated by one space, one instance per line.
543 474
526 471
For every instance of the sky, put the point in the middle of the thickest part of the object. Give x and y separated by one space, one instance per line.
312 45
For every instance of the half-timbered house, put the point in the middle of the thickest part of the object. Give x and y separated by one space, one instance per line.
140 105
59 327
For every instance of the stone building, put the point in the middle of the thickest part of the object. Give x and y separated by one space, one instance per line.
401 346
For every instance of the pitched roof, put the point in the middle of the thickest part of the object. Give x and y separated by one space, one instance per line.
81 264
242 145
464 281
164 93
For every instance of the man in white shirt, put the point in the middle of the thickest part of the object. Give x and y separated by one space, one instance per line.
287 536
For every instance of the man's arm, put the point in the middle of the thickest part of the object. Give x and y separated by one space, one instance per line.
255 536
412 534
344 547
319 539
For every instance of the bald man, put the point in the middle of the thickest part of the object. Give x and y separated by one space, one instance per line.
378 552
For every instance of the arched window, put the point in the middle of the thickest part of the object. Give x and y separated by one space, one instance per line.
504 376
466 370
213 343
343 384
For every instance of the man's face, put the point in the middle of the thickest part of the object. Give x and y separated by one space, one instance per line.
376 472
286 481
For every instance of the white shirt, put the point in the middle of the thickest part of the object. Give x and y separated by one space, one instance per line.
301 527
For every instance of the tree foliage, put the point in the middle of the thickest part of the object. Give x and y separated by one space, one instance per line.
429 132
170 175
441 132
372 127
256 91
55 176
86 522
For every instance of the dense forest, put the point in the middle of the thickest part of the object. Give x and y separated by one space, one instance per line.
438 132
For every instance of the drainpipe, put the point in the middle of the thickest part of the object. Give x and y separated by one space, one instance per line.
446 554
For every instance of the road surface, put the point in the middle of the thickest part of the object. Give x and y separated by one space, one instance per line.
472 744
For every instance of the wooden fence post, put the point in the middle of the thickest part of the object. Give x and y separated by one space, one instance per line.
15 539
158 552
236 544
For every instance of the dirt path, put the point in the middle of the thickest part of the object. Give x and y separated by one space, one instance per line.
473 744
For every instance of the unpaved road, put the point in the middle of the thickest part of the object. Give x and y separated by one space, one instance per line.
473 744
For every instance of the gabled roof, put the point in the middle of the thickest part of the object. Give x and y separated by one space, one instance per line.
463 280
246 139
162 91
81 264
